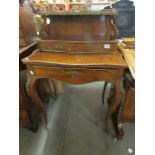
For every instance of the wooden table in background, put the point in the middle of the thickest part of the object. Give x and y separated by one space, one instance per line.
129 56
126 109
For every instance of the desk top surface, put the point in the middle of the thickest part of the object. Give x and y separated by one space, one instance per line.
75 60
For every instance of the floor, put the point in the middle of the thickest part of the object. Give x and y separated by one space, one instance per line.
75 127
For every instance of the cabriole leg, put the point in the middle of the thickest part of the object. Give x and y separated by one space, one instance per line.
116 101
32 92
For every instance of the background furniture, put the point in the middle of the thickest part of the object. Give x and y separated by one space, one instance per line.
27 28
127 47
125 112
28 114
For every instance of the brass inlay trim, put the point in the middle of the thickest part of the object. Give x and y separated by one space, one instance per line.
89 12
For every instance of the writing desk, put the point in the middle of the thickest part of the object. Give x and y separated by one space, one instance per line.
77 48
75 69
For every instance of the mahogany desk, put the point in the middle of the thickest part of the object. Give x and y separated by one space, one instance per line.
77 48
75 69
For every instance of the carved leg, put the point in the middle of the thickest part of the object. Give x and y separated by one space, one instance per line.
55 91
117 118
111 94
31 89
119 133
52 88
42 90
116 101
103 93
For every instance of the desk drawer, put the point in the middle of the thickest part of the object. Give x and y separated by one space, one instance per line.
76 75
79 46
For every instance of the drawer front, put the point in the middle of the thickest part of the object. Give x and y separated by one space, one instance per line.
77 76
78 46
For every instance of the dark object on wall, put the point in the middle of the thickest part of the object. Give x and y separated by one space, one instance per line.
125 21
